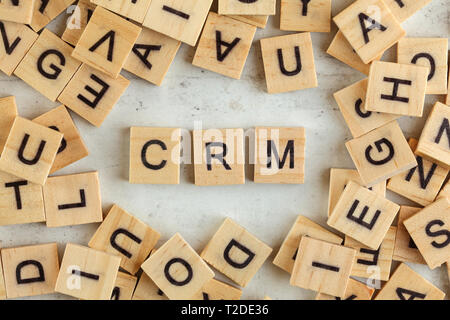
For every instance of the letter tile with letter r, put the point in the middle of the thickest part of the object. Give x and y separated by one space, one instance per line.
47 10
124 235
247 7
381 154
235 252
289 63
92 94
30 151
8 110
20 11
73 199
224 45
322 266
155 155
430 231
146 289
30 270
132 9
279 155
363 215
403 9
406 284
86 273
123 287
305 15
217 290
78 21
177 269
355 291
370 28
48 66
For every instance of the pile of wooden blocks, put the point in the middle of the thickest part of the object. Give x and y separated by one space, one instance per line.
81 70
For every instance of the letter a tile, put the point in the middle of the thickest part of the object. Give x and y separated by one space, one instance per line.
123 287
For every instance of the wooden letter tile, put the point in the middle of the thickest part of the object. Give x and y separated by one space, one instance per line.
289 63
236 252
135 10
370 28
106 42
87 274
285 257
73 199
92 94
78 21
31 270
48 66
224 45
177 269
30 150
217 290
286 161
20 11
355 291
445 192
403 9
405 284
313 16
155 155
46 11
322 267
179 19
124 287
8 110
146 289
430 231
381 154
363 215
72 147
258 7
125 236
257 21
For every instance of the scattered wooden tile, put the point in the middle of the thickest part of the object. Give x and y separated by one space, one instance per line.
92 94
257 21
2 282
217 290
405 284
87 274
381 154
8 110
403 9
46 11
235 252
78 21
30 270
146 289
322 266
280 155
289 63
311 16
355 291
123 287
445 192
261 7
73 199
285 257
224 45
370 28
20 11
363 215
134 10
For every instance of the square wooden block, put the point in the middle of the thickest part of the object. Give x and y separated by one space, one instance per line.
72 147
311 16
381 154
179 19
151 56
78 21
155 155
427 228
2 282
20 201
257 21
280 155
146 289
30 150
351 102
370 28
17 40
132 9
405 249
259 7
224 45
373 264
20 11
217 290
355 291
406 284
420 184
123 235
92 94
123 287
396 88
322 267
73 199
434 142
46 11
289 63
48 65
363 215
403 9
8 110
87 274
177 269
285 257
236 252
106 42
30 270
219 157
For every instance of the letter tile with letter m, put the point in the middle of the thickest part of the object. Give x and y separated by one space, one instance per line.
363 215
236 252
30 270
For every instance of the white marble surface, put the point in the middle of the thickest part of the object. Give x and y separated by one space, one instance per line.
190 94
